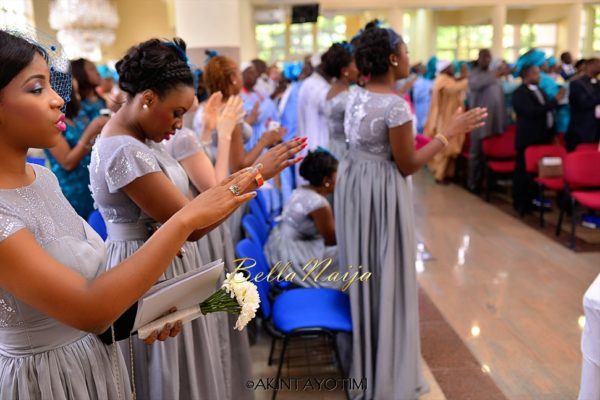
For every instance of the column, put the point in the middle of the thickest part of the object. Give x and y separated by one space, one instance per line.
574 12
498 22
395 19
423 37
588 41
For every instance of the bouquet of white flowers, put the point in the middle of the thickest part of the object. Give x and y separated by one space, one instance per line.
237 296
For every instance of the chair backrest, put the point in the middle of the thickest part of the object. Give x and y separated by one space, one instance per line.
36 160
581 169
258 210
256 229
588 147
97 222
533 154
264 201
500 146
247 248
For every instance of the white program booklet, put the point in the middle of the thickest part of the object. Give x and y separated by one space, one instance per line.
182 291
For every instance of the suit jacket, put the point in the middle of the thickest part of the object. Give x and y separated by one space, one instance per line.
584 127
532 126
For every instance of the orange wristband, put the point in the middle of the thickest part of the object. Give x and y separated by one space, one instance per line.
259 179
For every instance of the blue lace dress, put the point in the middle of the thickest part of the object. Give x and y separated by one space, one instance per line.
75 183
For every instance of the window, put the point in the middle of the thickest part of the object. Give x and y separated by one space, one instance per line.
330 31
270 42
17 14
280 41
301 39
539 36
462 42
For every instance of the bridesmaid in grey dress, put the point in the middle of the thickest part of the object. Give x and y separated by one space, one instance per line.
306 233
54 290
339 64
374 220
186 148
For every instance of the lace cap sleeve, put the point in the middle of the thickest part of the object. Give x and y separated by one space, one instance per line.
10 222
398 113
184 144
129 162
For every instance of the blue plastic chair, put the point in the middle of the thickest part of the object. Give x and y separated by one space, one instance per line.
259 211
97 222
256 229
297 312
36 160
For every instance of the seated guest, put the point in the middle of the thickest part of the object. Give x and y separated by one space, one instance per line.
70 158
535 125
584 99
307 230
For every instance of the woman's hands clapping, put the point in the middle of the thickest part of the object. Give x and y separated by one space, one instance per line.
218 202
463 122
279 157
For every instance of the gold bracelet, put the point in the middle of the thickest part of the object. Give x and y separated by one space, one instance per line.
442 139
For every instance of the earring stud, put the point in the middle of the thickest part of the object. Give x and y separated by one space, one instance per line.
395 64
145 106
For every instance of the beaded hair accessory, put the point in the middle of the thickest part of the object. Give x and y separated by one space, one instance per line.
53 53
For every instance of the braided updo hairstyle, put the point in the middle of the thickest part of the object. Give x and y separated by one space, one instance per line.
336 58
156 65
374 47
318 165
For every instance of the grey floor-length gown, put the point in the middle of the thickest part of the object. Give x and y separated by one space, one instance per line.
218 244
375 230
40 357
189 366
335 109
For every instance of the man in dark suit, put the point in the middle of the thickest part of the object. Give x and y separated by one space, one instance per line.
535 125
584 99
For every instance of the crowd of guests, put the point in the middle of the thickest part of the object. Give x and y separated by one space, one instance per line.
336 148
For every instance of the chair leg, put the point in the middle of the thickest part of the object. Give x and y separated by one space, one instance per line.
281 358
272 350
339 361
488 184
560 219
541 193
573 223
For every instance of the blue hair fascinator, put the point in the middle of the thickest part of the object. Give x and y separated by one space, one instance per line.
210 54
58 63
320 149
179 50
347 46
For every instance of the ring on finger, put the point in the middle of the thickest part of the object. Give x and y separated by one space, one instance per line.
235 189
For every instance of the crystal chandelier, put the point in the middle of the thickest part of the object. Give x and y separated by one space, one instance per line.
84 26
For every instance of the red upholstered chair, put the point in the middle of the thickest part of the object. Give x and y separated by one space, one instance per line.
533 154
587 147
500 154
582 183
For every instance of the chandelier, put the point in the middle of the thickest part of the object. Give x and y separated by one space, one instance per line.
84 26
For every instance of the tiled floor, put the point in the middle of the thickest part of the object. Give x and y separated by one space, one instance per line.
500 307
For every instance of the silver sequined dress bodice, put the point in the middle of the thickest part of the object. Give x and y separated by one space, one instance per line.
369 116
296 214
41 357
42 209
118 161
